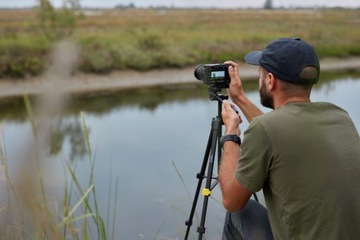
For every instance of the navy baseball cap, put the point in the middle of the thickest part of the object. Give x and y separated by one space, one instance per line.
289 59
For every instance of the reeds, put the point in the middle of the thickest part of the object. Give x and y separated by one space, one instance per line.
32 210
38 200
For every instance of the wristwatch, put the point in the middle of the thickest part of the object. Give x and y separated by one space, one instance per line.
230 137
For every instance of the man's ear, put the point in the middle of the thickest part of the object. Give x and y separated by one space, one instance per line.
272 81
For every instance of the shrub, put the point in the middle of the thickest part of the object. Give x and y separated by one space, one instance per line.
18 65
96 57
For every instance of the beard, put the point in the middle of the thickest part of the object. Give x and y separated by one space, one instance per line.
265 99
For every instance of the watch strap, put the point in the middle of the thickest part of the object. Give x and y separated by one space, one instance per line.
230 137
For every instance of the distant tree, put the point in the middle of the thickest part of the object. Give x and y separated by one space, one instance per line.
60 23
122 6
268 4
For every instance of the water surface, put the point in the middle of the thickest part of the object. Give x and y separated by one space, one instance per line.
152 142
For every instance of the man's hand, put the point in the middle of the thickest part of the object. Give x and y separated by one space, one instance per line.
237 94
231 119
235 90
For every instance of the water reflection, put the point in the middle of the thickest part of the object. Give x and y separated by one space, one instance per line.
152 141
68 130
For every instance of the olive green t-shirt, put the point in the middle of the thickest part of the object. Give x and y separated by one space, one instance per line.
306 158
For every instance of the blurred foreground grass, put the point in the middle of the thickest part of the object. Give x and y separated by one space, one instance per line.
144 39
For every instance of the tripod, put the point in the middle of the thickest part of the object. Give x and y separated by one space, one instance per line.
213 144
209 159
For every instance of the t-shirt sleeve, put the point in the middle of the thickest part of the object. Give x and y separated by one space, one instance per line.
255 159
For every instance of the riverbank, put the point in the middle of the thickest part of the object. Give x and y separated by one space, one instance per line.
82 83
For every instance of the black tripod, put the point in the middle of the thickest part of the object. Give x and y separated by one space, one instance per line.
213 144
208 162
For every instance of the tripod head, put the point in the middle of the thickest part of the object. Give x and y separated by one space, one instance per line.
218 97
214 96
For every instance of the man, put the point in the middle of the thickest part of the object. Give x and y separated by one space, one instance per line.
304 155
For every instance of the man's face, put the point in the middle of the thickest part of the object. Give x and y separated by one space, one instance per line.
265 98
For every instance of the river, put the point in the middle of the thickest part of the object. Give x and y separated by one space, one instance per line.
146 148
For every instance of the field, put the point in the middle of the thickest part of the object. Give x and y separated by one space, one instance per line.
144 39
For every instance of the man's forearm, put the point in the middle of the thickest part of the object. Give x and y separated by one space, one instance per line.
234 195
248 108
231 154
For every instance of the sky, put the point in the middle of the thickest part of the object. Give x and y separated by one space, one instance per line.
192 3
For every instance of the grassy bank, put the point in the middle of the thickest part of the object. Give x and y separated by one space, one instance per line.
144 39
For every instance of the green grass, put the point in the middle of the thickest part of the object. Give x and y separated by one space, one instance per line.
144 39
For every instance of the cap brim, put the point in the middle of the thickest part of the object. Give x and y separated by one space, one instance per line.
253 57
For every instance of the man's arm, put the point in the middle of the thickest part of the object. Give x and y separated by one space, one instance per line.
237 95
234 195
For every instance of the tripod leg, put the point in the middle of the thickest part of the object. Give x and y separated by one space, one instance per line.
200 177
214 139
216 130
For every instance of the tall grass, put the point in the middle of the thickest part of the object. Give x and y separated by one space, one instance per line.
32 211
42 202
145 39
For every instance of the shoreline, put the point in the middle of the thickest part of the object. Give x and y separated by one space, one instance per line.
83 83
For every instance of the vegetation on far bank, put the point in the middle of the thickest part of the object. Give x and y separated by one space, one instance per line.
144 39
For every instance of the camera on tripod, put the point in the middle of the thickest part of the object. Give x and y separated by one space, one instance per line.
215 75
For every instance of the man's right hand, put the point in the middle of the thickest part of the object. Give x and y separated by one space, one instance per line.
231 119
